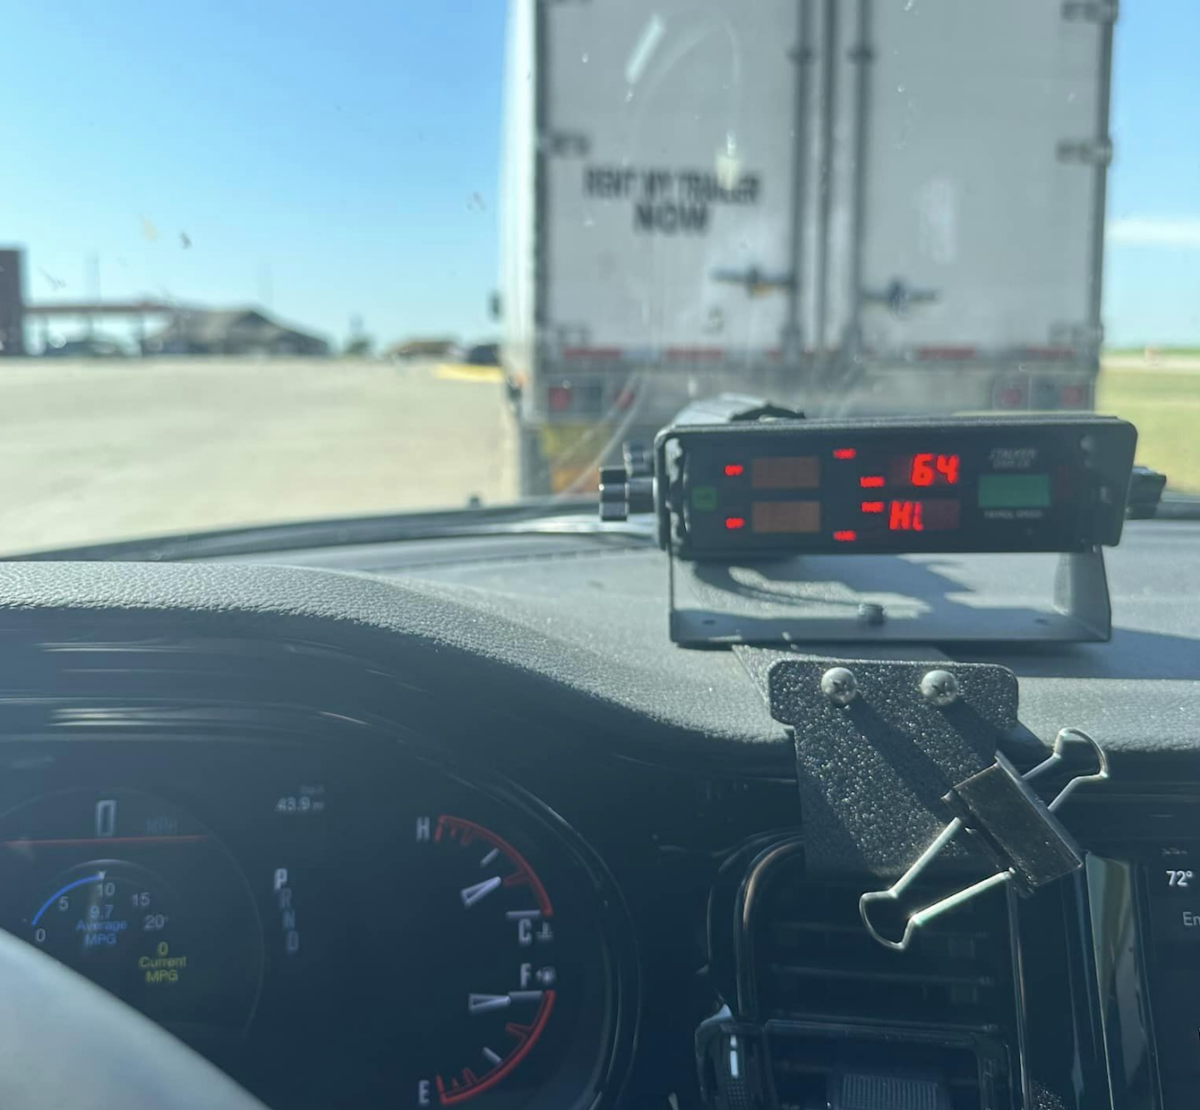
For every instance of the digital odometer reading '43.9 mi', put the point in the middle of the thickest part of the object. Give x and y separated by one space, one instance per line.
954 485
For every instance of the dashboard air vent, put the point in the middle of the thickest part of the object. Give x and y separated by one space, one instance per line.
843 1013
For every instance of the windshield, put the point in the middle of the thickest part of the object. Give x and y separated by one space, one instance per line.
296 261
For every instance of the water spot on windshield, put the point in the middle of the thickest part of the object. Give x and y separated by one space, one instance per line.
584 58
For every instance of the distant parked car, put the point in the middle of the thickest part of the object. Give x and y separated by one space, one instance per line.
86 348
483 354
421 348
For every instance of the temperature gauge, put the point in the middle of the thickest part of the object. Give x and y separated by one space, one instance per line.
512 989
493 912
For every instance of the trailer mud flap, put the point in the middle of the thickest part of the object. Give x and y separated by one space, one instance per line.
572 454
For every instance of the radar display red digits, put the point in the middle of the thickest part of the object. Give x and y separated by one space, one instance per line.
937 514
925 469
889 486
905 516
947 467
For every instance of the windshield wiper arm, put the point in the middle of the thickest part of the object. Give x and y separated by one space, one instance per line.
1177 507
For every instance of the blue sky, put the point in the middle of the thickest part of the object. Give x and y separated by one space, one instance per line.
342 157
1152 279
341 160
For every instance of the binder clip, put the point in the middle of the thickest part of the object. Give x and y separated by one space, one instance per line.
1017 829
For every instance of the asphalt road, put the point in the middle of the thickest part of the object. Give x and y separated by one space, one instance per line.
97 451
94 451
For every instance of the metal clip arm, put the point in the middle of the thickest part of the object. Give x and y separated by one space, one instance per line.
921 917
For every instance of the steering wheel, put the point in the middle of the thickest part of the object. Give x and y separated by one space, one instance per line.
66 1042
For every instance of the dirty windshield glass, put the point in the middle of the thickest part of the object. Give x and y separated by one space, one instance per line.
299 261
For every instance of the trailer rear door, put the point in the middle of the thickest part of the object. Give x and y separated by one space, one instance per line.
974 135
667 161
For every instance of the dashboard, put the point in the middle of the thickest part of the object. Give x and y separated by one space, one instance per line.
465 829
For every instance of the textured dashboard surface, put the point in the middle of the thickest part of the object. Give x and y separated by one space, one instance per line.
1141 691
433 626
583 627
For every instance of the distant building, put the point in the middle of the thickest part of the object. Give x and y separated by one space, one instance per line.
234 331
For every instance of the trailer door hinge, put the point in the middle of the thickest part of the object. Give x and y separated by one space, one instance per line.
755 280
1094 152
899 297
567 144
1085 338
569 335
1091 11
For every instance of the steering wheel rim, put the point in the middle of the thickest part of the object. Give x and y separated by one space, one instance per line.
66 1042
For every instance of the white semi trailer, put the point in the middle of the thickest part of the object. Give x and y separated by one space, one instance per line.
878 206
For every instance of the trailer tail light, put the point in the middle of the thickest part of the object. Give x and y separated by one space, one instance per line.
1074 396
559 398
1010 397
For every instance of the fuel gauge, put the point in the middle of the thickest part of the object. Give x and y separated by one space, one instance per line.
494 910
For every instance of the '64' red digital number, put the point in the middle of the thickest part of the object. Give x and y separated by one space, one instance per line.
929 469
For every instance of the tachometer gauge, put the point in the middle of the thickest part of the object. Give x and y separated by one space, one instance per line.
138 896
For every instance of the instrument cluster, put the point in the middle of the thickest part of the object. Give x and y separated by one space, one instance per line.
302 919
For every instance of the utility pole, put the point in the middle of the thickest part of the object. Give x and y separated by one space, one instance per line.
92 282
